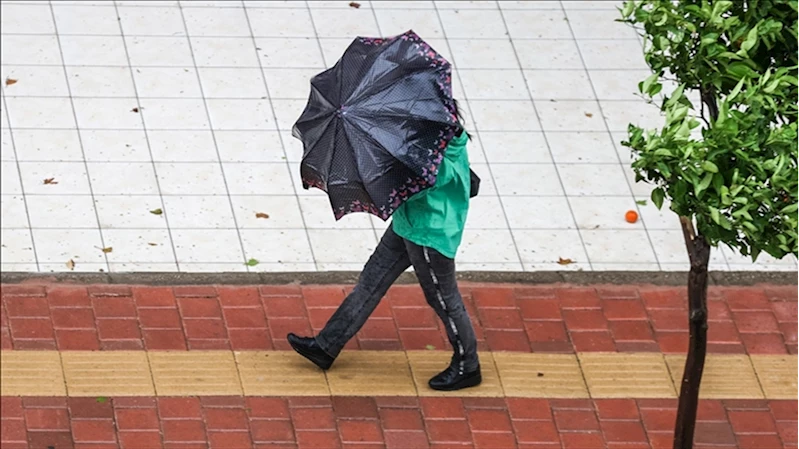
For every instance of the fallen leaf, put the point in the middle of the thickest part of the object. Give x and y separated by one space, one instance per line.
156 211
152 244
49 181
101 399
252 262
71 264
261 215
430 347
10 81
107 250
540 374
136 110
562 261
641 202
589 115
355 5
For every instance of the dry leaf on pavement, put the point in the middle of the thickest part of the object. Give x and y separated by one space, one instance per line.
355 5
157 211
261 215
49 181
589 115
70 264
10 81
562 261
108 250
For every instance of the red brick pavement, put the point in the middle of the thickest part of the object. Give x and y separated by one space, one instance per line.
755 320
402 423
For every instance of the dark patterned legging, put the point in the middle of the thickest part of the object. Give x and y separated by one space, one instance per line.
436 274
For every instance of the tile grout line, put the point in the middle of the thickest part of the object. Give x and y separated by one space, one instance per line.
494 100
480 140
80 139
609 132
211 36
372 218
164 210
156 66
261 130
188 38
334 8
546 139
21 187
280 138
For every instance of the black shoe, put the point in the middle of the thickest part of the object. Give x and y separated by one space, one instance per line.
309 348
450 379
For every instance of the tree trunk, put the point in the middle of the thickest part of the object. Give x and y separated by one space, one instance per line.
699 255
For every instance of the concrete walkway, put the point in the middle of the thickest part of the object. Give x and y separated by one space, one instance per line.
148 136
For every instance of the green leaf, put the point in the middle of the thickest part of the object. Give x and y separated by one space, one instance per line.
663 152
157 212
751 40
719 8
430 347
703 185
658 195
735 91
791 209
102 399
641 202
628 9
714 215
710 167
252 262
647 84
740 70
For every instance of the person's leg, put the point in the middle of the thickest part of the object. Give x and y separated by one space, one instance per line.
386 264
436 274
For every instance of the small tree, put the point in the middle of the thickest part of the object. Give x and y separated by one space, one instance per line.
728 165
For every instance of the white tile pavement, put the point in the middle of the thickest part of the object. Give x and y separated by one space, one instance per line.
185 108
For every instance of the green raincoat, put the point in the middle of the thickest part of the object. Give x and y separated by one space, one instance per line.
435 217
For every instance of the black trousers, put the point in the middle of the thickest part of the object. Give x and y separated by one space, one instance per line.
436 274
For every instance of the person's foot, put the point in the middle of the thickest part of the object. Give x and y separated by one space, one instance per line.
309 348
451 380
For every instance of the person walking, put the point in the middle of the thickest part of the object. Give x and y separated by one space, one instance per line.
425 233
382 134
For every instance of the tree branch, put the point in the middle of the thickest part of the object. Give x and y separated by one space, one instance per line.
709 99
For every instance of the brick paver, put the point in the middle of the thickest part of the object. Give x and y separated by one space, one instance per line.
753 320
521 319
403 423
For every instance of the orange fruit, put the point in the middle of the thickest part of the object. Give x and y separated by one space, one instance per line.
631 216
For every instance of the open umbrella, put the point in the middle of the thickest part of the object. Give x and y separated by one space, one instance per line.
377 124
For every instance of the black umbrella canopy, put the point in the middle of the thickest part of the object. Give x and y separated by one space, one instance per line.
377 124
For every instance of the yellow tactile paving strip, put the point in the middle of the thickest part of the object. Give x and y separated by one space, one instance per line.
118 373
777 375
613 375
194 373
35 373
717 383
541 375
385 373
